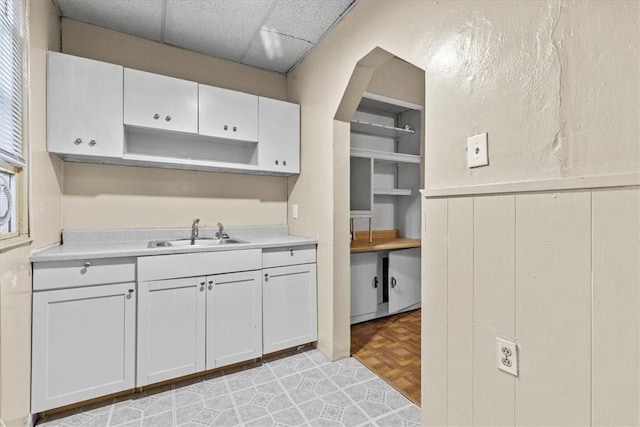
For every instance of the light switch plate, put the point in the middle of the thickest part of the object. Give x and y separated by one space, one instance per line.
294 211
507 356
477 150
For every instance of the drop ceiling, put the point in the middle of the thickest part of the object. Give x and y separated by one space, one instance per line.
269 34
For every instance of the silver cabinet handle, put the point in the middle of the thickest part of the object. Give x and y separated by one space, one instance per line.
284 163
131 291
210 284
156 116
87 264
277 162
168 118
235 128
393 282
291 251
78 141
226 127
375 282
92 143
266 277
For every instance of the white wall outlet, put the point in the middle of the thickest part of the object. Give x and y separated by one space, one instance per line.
477 151
294 211
507 356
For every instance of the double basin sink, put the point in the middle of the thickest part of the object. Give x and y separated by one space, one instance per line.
193 242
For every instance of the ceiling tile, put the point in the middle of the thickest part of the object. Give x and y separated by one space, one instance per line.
142 18
274 51
306 19
220 28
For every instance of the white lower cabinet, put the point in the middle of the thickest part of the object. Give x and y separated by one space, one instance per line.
234 318
289 306
83 344
364 283
171 329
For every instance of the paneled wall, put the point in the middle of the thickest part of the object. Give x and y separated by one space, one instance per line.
556 271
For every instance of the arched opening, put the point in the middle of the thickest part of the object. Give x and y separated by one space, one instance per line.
378 169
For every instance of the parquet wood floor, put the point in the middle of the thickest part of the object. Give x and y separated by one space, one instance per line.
390 347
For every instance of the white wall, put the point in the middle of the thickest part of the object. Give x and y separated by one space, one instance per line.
555 84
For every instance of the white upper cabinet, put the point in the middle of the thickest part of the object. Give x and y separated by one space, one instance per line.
84 107
160 102
279 130
227 114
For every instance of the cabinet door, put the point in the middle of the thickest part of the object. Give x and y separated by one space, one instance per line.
404 279
171 329
83 344
84 107
279 136
364 283
289 307
160 102
234 318
227 114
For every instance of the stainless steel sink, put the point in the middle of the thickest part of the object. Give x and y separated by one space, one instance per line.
197 242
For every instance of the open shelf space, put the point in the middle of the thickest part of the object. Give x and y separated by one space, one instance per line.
375 129
385 156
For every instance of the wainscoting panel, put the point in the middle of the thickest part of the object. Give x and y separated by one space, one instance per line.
493 307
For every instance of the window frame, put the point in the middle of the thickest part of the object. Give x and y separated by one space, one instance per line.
21 173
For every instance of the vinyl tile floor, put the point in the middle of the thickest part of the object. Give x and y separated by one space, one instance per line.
299 389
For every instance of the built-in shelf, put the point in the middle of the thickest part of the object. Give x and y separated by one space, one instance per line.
385 156
376 129
362 214
391 191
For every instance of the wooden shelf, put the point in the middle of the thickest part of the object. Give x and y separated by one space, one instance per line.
385 156
375 129
362 214
392 191
383 240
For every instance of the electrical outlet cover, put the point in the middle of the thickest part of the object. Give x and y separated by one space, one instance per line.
507 356
477 150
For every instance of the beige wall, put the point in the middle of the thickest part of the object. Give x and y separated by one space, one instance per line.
554 84
45 221
104 196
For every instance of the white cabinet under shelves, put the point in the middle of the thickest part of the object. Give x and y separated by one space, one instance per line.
83 344
279 136
227 114
84 107
384 283
160 102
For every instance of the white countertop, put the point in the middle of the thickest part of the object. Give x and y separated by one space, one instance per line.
92 244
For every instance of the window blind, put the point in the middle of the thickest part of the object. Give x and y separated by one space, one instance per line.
11 81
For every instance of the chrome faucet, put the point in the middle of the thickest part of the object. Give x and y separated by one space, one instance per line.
194 230
221 234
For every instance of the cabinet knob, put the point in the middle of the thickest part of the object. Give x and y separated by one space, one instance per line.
156 116
87 264
235 128
78 141
375 282
284 163
92 143
226 127
266 277
291 251
168 118
393 282
131 291
277 162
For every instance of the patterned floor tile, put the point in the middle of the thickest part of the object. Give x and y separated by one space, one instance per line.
375 397
300 389
333 409
347 372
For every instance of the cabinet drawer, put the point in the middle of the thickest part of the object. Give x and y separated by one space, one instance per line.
69 274
276 257
197 264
